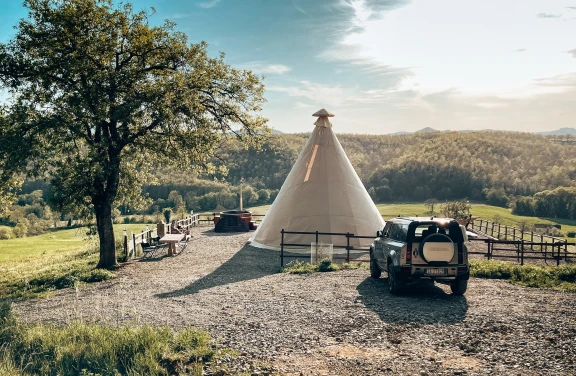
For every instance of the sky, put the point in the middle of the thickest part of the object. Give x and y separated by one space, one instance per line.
385 66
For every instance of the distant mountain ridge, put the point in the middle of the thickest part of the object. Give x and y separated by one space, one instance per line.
558 132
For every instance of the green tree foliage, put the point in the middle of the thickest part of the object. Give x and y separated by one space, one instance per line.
441 165
557 203
98 94
459 210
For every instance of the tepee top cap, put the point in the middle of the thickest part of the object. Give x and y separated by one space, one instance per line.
323 112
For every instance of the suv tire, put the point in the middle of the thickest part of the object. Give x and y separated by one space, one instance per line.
394 285
375 271
459 287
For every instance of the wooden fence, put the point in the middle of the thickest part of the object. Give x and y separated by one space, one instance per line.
363 250
131 243
505 232
521 250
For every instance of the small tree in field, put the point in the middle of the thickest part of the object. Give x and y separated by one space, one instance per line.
98 94
459 210
430 204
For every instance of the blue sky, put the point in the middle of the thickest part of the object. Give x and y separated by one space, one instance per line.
389 66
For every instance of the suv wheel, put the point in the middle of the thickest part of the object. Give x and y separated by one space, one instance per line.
375 270
394 285
459 287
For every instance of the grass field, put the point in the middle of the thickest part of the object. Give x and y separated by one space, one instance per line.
488 212
34 266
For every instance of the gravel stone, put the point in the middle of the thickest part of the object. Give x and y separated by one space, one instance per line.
337 323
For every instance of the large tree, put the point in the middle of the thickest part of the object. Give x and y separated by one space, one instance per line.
98 92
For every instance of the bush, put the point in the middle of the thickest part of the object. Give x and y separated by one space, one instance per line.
327 265
86 349
20 230
5 233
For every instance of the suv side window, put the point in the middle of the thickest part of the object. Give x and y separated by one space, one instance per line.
398 232
386 231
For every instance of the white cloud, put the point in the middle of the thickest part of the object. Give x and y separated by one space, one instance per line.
265 68
275 69
208 4
466 45
301 105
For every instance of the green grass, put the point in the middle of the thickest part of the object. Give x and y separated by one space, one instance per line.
35 266
325 265
554 277
85 349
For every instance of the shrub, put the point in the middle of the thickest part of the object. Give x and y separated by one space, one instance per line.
556 277
20 230
5 233
326 265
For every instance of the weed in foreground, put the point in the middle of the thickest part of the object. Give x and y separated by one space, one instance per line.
85 349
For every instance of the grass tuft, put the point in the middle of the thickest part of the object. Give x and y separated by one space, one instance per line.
84 349
324 265
554 277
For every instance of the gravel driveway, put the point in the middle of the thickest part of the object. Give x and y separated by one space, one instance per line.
339 323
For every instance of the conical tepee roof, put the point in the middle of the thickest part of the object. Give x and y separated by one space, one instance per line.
322 193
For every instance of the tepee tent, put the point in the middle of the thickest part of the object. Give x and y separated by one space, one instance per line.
322 193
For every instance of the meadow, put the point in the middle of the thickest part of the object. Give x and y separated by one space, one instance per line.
488 212
34 266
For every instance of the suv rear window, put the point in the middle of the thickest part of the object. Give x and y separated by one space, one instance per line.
450 229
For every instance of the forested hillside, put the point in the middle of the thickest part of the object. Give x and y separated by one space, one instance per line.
500 168
440 165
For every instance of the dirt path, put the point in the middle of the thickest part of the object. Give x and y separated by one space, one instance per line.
340 323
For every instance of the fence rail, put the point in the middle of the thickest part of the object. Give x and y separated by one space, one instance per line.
505 232
556 251
317 235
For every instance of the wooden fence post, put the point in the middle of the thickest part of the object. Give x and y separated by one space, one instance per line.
125 243
282 250
348 247
134 243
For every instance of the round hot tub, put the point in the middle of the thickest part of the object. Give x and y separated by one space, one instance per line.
234 221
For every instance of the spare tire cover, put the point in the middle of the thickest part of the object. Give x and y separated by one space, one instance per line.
436 248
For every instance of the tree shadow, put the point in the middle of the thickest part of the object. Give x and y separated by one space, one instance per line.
421 303
248 263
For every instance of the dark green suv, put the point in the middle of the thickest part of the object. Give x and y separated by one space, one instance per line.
416 248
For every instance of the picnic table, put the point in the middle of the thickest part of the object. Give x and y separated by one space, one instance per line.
172 240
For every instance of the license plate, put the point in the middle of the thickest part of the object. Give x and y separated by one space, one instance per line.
436 271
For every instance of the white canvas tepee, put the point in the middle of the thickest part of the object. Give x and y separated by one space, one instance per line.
322 193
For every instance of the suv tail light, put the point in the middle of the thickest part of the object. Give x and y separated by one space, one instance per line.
460 254
409 254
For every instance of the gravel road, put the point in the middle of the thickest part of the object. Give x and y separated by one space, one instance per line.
339 323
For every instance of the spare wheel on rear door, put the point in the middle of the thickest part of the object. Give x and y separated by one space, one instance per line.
436 248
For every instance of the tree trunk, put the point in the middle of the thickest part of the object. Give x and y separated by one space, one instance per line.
105 234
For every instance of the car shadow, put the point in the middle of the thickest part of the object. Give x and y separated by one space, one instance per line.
421 303
248 263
